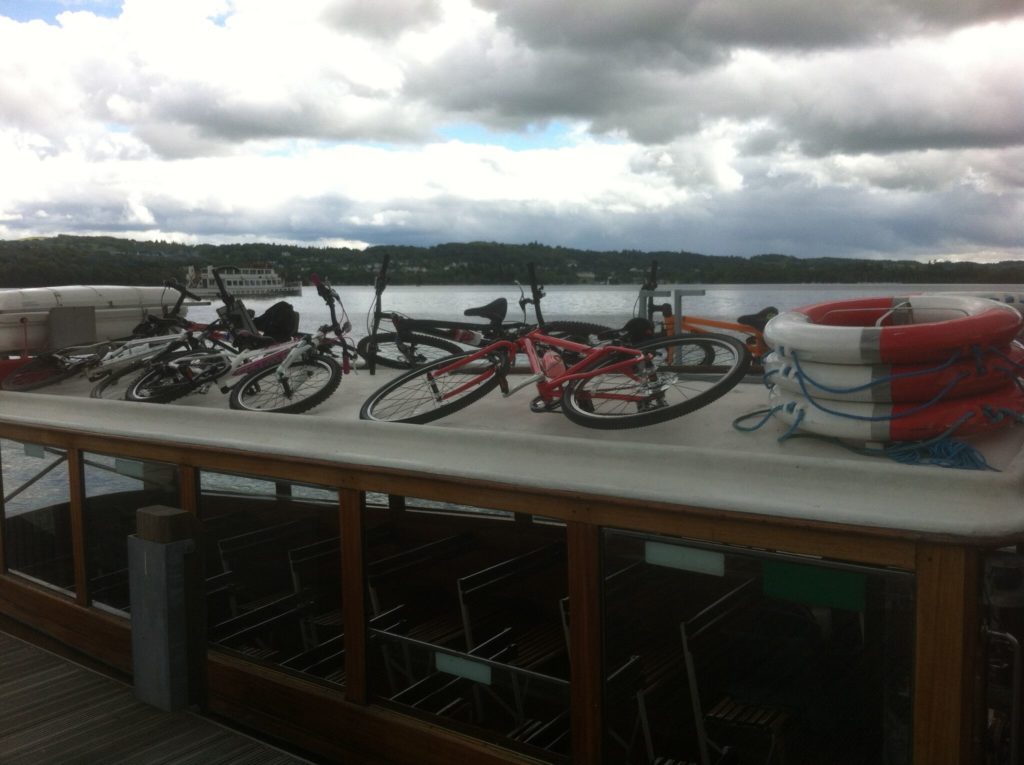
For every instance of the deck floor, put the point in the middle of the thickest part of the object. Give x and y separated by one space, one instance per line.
55 711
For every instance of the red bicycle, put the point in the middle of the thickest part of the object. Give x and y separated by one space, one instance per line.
608 386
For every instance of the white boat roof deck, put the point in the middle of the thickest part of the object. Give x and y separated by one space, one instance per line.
699 460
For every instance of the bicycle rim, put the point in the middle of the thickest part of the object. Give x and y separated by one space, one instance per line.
37 373
309 383
433 391
387 350
677 376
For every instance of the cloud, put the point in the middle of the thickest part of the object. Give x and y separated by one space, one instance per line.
882 128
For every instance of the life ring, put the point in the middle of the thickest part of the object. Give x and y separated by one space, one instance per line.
902 330
881 383
885 422
1015 299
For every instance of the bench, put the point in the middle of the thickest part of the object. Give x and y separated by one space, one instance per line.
423 577
269 632
258 560
522 591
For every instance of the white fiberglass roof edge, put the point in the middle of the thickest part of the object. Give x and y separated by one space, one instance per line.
865 492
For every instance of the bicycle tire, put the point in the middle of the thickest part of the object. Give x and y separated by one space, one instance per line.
578 331
51 368
616 400
37 373
108 384
318 377
162 384
421 349
413 397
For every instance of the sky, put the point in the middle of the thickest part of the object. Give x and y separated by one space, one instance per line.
816 128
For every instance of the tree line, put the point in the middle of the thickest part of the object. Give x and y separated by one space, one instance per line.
61 260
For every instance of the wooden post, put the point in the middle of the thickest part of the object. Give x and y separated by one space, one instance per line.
76 507
585 641
353 588
947 632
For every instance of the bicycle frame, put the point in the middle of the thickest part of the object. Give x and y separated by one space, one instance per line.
549 387
465 332
753 337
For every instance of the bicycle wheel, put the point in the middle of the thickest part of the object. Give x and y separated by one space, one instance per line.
388 351
577 331
164 382
428 393
673 378
40 371
310 382
112 386
53 367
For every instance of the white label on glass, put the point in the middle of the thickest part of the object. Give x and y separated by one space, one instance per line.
685 558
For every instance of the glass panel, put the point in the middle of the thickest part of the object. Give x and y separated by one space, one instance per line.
272 555
115 488
37 528
712 650
1003 599
465 621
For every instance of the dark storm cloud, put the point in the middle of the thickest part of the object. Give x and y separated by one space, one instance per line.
385 20
698 27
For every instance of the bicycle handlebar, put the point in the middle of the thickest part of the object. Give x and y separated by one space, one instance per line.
174 284
381 280
330 295
651 283
226 296
536 292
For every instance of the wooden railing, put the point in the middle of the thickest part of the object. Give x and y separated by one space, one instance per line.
349 727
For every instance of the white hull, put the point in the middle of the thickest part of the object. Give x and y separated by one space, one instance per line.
249 292
25 313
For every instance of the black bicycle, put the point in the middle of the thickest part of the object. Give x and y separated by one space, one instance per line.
415 342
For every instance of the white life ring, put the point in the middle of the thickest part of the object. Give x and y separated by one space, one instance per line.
903 329
882 383
885 422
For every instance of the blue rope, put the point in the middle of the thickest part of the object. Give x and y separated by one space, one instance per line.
757 426
802 375
940 451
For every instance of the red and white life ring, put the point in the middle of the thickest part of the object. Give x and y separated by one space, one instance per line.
896 330
880 383
885 422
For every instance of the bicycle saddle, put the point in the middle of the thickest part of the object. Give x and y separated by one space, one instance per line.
494 311
759 319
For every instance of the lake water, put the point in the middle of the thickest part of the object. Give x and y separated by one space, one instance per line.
611 305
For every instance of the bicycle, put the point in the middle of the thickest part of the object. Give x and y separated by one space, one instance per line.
750 326
107 360
235 329
419 341
284 377
608 387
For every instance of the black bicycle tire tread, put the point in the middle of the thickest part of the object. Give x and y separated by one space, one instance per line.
102 385
298 407
579 329
10 382
174 394
657 416
362 348
434 414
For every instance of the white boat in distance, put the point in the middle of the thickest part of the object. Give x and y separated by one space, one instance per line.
259 280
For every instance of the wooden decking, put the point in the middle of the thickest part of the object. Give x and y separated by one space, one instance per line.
55 711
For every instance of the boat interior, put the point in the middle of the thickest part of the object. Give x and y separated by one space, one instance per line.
366 614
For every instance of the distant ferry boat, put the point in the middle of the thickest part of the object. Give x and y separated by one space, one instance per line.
243 282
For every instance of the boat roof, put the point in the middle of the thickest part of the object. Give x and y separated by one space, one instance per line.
699 460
